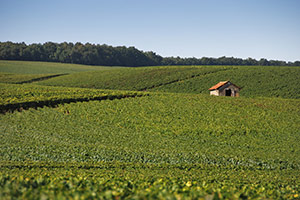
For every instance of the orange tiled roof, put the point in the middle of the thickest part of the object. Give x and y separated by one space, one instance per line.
220 84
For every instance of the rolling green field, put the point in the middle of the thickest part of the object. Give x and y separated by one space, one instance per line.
131 78
13 93
167 128
24 78
255 80
31 67
171 141
112 180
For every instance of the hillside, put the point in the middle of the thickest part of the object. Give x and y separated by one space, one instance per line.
162 145
33 67
256 81
156 134
18 97
168 128
131 78
24 78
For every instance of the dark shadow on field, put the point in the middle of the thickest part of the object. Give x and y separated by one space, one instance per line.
54 103
41 78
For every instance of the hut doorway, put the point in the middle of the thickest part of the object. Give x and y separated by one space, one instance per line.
228 92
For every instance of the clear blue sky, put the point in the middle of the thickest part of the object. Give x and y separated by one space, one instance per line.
186 28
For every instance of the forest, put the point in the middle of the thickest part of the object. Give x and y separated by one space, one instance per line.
105 55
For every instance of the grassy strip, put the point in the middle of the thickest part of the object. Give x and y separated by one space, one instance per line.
40 78
24 78
35 67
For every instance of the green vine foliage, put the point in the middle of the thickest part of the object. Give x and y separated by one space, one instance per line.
174 142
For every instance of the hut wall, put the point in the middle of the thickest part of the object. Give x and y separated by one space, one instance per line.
214 92
234 90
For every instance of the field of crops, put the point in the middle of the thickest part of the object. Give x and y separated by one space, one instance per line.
131 78
29 67
254 80
166 129
13 96
113 180
24 78
196 148
172 142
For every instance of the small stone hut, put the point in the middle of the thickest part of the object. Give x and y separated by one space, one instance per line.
225 88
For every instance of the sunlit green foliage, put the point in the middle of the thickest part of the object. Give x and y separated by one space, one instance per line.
157 146
29 67
167 128
95 54
13 93
131 78
255 81
143 181
22 78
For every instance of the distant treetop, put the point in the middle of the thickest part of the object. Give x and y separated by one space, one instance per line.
95 54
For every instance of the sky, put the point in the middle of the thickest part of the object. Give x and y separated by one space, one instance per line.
187 28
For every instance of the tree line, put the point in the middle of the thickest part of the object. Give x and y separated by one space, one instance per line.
95 54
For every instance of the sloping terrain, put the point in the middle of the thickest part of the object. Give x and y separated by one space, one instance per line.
161 145
164 128
254 80
24 78
31 67
170 143
132 78
16 97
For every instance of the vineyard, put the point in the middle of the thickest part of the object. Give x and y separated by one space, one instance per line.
13 97
28 67
25 78
131 78
112 180
150 133
191 129
255 81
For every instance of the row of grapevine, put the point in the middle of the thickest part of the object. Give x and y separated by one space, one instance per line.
14 97
159 128
132 78
136 181
255 82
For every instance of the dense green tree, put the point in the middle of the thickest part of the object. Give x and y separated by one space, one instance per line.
92 54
